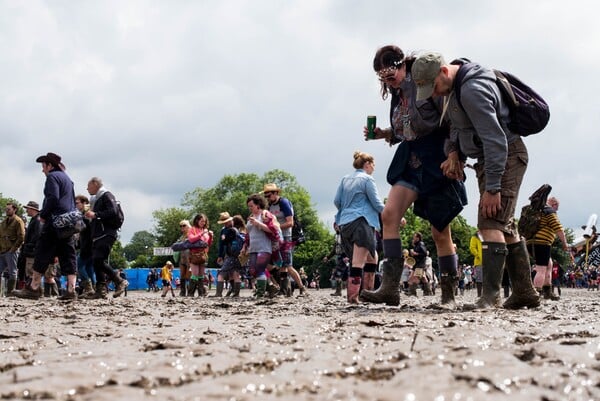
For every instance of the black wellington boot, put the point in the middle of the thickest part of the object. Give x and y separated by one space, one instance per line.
523 293
389 290
493 258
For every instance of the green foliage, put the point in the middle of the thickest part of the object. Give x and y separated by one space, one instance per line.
557 253
141 243
4 201
166 228
117 258
461 235
230 194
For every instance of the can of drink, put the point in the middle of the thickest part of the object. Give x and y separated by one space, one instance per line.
371 124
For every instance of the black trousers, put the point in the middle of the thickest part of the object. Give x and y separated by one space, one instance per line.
100 253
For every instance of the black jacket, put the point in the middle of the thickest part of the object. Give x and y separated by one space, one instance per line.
32 234
105 209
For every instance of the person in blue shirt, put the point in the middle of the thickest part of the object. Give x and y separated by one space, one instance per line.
359 206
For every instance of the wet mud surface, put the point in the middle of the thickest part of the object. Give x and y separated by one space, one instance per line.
311 348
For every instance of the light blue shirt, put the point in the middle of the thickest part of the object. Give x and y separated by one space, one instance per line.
357 197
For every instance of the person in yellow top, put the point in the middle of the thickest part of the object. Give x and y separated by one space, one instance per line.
540 245
166 275
476 250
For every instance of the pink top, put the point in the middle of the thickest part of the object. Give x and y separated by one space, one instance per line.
196 234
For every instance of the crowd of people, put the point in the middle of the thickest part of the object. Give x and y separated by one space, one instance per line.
435 132
68 236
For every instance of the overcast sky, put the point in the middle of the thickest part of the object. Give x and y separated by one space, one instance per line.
160 97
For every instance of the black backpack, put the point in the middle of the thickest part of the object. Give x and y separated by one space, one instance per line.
298 232
235 247
116 222
529 112
531 215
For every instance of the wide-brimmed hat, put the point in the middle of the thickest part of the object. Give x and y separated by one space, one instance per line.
169 263
32 205
271 187
410 261
51 158
224 218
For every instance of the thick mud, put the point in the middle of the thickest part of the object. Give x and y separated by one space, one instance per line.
313 348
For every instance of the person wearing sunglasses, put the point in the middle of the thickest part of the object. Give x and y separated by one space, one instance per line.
416 176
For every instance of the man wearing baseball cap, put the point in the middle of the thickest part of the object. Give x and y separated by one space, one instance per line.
480 122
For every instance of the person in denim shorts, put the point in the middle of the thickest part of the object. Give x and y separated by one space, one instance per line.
416 176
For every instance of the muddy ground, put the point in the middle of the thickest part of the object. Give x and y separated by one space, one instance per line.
314 348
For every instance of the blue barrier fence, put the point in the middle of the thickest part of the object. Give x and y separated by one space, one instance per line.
137 277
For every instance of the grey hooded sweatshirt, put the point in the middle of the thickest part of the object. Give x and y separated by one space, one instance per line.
481 128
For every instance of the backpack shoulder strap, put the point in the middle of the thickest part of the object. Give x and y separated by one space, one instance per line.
505 86
459 80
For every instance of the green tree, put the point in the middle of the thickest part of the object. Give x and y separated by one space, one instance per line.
230 194
117 256
461 235
166 227
141 243
4 201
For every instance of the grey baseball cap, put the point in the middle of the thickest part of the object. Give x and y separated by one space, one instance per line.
424 70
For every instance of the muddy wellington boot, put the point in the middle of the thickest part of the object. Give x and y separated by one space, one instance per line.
230 289
547 293
494 257
192 288
412 290
389 290
47 289
286 287
353 289
338 289
88 288
100 293
219 291
427 291
261 285
523 293
236 289
183 288
12 285
448 285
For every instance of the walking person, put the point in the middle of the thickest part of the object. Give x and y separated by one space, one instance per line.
83 245
199 256
418 278
262 228
230 245
283 210
416 176
541 245
12 235
185 273
32 235
59 198
103 215
166 275
359 206
475 249
480 122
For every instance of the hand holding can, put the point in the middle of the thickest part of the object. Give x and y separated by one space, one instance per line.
371 124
